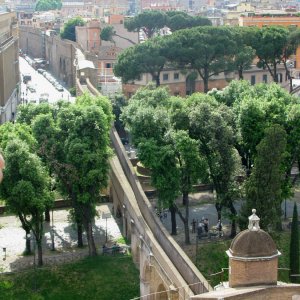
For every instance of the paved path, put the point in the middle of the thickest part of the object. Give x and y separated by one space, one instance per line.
12 236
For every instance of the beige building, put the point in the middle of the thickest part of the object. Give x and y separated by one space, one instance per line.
9 66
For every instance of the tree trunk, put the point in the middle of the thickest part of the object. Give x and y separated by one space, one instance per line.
90 239
173 220
219 210
28 245
157 80
40 252
186 221
205 82
241 76
79 235
233 222
47 215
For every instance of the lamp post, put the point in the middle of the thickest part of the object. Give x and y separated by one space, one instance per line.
4 251
52 232
31 238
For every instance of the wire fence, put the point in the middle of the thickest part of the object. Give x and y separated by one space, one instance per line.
29 262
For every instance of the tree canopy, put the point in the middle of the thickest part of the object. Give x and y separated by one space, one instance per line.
45 5
68 31
148 57
26 188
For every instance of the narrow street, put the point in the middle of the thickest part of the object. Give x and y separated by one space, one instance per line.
41 85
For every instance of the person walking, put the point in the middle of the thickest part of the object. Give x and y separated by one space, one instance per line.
193 226
219 228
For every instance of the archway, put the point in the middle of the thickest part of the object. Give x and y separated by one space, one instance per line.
161 293
190 83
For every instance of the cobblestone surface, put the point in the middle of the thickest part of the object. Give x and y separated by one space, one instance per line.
12 237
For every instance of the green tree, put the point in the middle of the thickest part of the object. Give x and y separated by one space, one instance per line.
207 50
177 20
26 189
294 246
290 48
244 54
108 33
171 154
269 44
264 186
68 31
9 132
210 125
150 21
45 5
142 58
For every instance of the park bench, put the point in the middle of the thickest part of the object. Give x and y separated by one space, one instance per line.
114 249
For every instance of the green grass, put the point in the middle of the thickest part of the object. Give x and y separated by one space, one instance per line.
103 278
212 258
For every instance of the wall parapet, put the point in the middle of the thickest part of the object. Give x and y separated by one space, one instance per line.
178 257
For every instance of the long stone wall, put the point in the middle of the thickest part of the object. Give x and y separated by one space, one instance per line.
178 257
60 54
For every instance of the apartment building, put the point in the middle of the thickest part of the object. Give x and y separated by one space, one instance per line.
9 65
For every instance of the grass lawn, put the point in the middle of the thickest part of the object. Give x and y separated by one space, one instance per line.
212 258
101 278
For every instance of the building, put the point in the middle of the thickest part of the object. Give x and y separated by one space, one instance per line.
253 269
9 66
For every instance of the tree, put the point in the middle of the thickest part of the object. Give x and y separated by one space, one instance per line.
269 44
294 246
142 58
264 186
207 50
290 48
9 132
68 31
171 154
210 124
45 5
177 20
150 21
108 33
25 188
244 54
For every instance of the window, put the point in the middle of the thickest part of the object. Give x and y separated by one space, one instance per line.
165 77
265 78
176 93
108 65
176 76
252 79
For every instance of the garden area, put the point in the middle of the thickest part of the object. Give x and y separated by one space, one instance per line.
101 278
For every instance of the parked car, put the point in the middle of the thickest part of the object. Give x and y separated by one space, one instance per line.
31 88
41 71
59 87
26 78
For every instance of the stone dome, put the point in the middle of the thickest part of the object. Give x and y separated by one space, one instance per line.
249 243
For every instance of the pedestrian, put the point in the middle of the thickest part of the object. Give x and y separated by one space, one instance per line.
165 214
193 226
206 223
200 229
219 228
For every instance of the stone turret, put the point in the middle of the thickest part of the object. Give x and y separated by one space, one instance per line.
253 257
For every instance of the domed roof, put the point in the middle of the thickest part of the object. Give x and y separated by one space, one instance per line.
253 242
249 243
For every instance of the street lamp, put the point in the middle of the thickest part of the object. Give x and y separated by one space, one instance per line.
31 237
52 233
